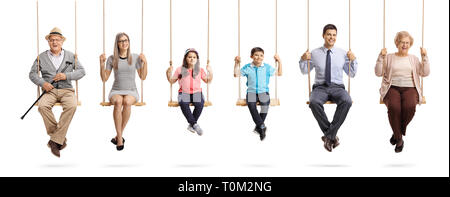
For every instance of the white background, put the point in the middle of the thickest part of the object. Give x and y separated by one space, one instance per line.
157 142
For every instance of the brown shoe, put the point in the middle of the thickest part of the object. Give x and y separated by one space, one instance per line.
328 144
55 147
63 146
60 146
336 142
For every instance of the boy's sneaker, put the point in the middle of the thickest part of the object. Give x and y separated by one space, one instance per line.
191 129
197 129
261 130
262 133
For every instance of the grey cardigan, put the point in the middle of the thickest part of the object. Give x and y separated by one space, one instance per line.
49 71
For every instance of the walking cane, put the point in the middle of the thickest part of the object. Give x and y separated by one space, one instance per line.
67 65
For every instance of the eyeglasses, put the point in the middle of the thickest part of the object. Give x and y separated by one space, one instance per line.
123 41
54 40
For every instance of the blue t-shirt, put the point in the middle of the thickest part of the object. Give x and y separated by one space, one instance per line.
258 78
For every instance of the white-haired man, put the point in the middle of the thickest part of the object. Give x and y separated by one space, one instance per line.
57 67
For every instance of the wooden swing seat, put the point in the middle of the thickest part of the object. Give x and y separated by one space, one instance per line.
175 104
110 104
273 102
328 102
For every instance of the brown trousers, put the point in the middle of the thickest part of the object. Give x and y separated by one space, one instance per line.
401 104
58 130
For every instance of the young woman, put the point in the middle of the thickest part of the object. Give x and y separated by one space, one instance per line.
124 92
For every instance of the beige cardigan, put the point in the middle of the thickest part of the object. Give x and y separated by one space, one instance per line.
419 69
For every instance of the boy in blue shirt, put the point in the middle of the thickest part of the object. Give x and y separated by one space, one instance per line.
258 76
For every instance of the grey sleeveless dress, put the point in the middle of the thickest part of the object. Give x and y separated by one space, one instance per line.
124 76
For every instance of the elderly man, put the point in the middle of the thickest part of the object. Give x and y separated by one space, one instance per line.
329 62
58 66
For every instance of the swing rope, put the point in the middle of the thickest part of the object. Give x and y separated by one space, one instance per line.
142 50
170 62
384 24
384 45
37 39
103 101
307 49
384 35
207 63
349 43
76 47
239 48
277 102
423 30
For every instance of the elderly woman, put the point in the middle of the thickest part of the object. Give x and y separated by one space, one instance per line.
124 92
400 88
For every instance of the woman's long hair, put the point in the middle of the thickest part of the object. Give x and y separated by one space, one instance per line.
116 50
185 68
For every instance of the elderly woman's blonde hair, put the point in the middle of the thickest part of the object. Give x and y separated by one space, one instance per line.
401 35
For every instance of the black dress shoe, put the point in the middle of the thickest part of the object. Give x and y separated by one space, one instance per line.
392 140
119 148
262 132
114 141
399 148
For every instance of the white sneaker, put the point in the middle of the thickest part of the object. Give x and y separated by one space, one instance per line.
198 129
190 129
